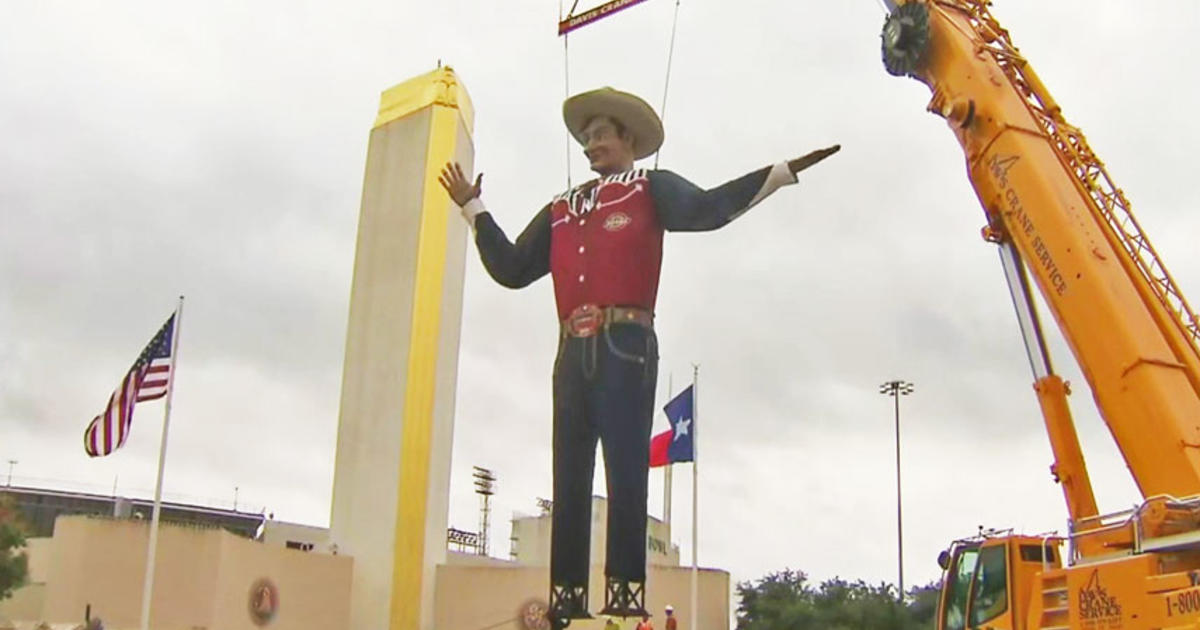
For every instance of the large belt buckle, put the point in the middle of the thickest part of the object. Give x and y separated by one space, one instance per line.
585 320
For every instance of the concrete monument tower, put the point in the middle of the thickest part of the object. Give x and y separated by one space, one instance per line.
391 478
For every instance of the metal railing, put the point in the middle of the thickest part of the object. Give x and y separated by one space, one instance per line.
1130 518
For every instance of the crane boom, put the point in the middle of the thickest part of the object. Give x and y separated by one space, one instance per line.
1044 191
1059 219
1109 205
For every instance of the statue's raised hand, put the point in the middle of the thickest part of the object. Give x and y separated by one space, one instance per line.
460 189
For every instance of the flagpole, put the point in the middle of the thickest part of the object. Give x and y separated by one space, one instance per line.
667 500
695 489
148 584
667 480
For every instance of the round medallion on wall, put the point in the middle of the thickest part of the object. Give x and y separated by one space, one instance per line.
533 615
263 602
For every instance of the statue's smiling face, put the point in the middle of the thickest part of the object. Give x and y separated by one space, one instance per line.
607 145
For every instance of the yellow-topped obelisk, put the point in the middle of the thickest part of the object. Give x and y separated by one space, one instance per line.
391 478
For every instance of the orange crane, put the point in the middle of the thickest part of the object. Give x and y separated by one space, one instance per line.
1058 218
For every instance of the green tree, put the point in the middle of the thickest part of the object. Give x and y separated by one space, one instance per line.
14 565
786 600
923 603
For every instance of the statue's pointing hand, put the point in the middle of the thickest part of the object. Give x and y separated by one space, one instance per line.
460 189
803 162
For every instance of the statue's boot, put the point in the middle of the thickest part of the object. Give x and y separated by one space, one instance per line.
567 603
623 598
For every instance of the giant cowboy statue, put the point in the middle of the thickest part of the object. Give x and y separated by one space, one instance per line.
601 242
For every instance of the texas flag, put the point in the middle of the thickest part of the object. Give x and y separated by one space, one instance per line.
677 444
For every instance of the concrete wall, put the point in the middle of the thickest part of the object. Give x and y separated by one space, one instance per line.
531 538
202 580
26 602
473 597
459 558
279 534
314 588
672 585
37 549
102 562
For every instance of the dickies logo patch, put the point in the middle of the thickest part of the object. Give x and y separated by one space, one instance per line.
617 221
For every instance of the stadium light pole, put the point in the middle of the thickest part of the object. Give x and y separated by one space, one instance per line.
485 487
896 389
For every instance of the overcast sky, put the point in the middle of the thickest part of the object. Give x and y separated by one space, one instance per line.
216 150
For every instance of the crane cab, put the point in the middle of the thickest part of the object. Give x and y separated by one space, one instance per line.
985 580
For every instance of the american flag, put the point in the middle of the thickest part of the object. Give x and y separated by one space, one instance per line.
146 380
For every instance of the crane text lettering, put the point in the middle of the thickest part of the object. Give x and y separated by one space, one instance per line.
1022 222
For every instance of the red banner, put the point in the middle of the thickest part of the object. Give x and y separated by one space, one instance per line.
587 17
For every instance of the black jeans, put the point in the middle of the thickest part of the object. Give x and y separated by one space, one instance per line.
603 389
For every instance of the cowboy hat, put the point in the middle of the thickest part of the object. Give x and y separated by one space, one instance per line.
635 114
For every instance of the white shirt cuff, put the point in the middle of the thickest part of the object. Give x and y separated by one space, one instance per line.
473 209
779 177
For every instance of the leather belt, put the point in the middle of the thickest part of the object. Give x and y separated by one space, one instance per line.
588 319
